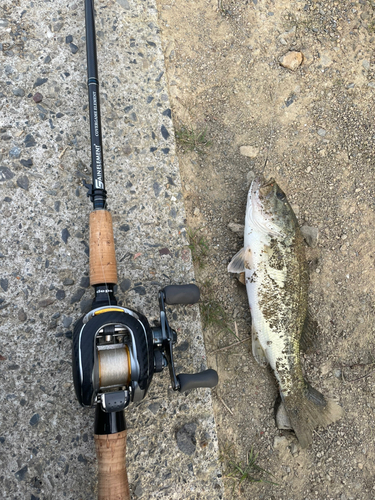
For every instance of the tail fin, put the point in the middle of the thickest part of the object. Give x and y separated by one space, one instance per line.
308 409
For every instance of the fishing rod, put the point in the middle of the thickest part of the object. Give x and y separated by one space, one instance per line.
115 350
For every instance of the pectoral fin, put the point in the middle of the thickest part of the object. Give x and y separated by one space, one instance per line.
240 261
258 352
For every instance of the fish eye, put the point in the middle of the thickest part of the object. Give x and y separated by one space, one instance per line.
280 194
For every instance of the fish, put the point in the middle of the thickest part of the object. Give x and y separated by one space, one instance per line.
276 277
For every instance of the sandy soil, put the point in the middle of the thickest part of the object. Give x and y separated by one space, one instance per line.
313 130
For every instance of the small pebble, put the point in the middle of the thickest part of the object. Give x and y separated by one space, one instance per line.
34 420
15 152
22 315
19 92
337 373
23 182
65 235
38 97
292 60
311 235
249 151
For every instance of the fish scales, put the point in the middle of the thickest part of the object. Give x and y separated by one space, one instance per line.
276 277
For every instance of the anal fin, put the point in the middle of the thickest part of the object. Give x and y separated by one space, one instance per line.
258 351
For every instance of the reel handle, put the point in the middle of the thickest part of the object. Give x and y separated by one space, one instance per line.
111 454
181 294
207 378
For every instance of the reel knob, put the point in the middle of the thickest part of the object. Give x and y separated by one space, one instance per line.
181 294
207 378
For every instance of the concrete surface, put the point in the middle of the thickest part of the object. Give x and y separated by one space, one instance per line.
46 438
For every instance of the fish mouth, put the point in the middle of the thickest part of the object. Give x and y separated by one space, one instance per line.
257 216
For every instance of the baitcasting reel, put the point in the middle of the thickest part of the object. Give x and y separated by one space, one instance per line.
116 352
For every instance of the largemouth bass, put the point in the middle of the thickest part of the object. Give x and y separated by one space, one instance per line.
276 276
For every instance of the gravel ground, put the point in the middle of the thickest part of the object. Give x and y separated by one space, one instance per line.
284 89
46 439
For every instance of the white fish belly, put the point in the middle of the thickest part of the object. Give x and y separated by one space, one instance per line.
274 342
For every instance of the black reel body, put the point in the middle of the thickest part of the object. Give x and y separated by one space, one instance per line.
112 350
116 352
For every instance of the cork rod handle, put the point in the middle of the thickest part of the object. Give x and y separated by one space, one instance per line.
102 249
111 455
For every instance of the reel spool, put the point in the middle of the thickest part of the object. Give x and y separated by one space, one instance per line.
116 353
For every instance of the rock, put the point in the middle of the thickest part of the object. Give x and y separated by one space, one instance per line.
287 36
22 315
294 449
186 438
308 58
311 235
241 278
325 60
125 285
6 173
57 27
4 284
39 82
68 282
124 4
164 132
138 492
82 459
46 302
29 141
337 373
249 151
21 474
77 296
19 92
60 295
236 228
124 227
141 290
65 235
85 305
85 282
23 182
282 419
15 152
157 188
38 97
27 163
280 442
154 407
34 420
322 132
73 48
292 60
69 39
67 321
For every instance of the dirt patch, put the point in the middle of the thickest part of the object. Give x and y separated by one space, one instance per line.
313 130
